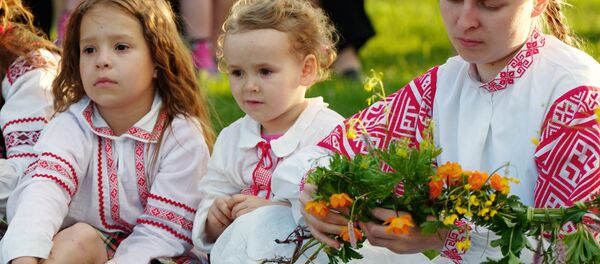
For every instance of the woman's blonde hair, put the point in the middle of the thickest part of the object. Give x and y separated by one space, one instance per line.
556 23
176 80
309 29
18 36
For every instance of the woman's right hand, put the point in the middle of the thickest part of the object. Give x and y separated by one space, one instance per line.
320 228
24 260
219 217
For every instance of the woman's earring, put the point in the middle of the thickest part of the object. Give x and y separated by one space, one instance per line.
155 73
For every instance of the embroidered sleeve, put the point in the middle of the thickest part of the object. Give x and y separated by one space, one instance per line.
39 203
165 227
27 107
568 155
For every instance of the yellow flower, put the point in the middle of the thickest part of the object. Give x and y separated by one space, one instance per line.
461 210
351 134
467 187
449 220
597 111
399 224
316 208
473 200
535 141
499 183
493 212
346 236
493 197
463 245
340 200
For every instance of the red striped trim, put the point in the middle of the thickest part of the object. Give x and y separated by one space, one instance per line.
49 154
165 227
169 216
171 202
25 120
22 155
57 180
101 192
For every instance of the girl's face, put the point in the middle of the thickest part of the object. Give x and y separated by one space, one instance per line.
488 31
268 80
115 63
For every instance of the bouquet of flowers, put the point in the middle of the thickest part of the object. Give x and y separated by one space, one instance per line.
404 177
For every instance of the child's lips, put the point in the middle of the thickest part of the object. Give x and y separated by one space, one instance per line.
253 103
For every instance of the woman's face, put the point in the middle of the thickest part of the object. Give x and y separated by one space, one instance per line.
489 31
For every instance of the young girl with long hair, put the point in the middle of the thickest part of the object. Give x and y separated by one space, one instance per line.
118 167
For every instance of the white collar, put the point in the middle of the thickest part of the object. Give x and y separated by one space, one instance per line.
289 141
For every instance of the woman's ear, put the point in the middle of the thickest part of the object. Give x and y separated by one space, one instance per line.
309 70
539 6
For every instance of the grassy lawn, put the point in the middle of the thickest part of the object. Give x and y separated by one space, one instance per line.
410 39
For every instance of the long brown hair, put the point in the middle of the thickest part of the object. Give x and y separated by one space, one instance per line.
309 29
18 36
176 80
556 23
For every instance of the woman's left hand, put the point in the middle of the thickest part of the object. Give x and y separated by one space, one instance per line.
412 242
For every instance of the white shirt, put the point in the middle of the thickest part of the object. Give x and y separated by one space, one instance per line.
27 95
234 159
87 174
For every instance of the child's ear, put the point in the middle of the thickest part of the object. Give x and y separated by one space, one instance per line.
309 70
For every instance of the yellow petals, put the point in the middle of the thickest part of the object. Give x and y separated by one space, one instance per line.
399 224
535 141
316 208
463 245
340 200
449 220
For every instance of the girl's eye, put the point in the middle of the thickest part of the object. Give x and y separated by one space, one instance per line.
88 50
265 71
235 73
121 47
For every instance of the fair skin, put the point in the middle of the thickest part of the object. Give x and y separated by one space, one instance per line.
116 66
486 33
268 81
117 73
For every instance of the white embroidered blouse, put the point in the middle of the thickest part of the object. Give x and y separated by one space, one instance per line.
85 173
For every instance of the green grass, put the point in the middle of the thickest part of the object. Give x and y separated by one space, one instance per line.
410 39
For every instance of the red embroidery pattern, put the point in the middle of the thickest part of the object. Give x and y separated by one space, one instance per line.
171 202
450 251
22 155
519 64
49 154
169 216
409 110
261 176
134 131
52 166
113 183
569 151
101 191
57 180
24 65
141 173
19 138
165 227
25 120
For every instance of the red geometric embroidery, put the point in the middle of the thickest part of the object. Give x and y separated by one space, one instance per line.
65 162
19 138
52 166
568 155
22 155
171 202
25 120
169 216
519 64
101 191
23 65
113 183
261 176
140 172
456 235
134 131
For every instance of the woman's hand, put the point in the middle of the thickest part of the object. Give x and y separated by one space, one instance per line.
412 242
320 228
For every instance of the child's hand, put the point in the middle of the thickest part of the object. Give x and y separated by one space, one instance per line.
244 204
219 217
